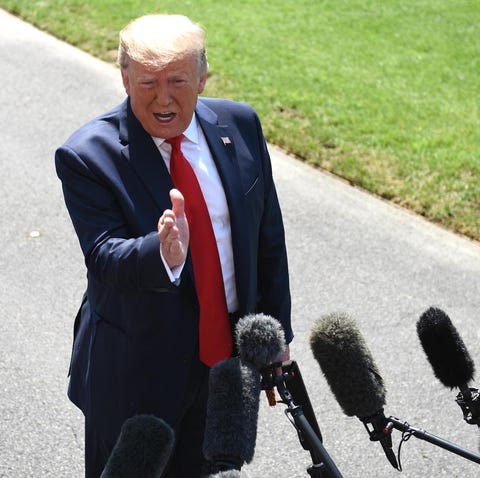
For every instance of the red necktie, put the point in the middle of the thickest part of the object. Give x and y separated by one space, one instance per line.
215 334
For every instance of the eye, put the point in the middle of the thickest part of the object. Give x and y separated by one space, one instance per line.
179 81
147 83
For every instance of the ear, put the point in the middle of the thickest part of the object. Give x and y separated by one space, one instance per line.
201 84
126 81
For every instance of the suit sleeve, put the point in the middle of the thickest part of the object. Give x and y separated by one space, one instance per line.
116 252
273 275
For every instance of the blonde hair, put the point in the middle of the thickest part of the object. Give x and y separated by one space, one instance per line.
156 40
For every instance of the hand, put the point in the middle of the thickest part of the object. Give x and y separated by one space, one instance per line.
173 231
283 356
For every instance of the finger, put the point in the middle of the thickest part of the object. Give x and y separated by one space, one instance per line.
178 202
165 219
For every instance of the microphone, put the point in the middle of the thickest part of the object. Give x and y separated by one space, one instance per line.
142 450
234 395
449 358
260 339
232 414
445 349
352 375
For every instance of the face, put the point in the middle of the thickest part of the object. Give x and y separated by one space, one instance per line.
164 100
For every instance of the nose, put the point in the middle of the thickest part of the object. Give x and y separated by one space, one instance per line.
163 95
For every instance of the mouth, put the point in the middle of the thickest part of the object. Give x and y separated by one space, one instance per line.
164 117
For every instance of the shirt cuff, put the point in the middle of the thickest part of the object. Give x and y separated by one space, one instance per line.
174 273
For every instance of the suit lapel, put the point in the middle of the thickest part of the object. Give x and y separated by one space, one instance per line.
145 158
220 139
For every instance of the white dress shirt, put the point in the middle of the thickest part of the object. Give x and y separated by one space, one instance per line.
196 151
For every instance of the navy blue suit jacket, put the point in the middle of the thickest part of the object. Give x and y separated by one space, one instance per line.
136 333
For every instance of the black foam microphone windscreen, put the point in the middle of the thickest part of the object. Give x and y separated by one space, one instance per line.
445 349
260 339
348 366
142 449
232 414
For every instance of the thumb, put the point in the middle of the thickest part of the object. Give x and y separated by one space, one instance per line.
178 202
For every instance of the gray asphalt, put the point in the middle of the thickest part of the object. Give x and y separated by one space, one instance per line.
348 251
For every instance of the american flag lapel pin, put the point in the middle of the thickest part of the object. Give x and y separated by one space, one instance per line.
226 140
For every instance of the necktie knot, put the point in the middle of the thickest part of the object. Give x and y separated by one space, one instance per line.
175 142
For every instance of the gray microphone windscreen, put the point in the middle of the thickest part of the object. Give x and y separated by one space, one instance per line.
142 450
232 412
348 366
260 339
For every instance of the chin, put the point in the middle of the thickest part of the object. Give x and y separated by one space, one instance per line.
167 131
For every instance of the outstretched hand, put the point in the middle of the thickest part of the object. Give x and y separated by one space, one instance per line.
173 231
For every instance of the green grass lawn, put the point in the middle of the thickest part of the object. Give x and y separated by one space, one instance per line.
384 93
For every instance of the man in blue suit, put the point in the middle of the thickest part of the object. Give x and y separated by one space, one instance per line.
136 335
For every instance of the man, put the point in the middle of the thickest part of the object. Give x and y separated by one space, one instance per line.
136 338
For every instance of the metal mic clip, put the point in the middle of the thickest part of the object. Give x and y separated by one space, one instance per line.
269 380
382 431
469 401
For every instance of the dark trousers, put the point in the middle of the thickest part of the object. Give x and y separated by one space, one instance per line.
187 458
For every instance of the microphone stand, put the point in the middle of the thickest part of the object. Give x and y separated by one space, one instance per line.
323 465
424 435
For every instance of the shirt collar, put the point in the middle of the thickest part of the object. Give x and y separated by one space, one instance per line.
191 133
